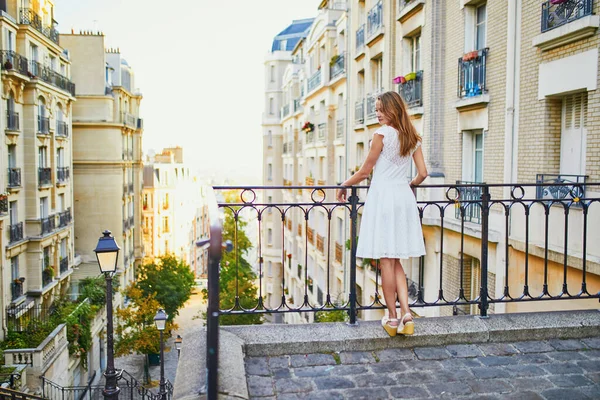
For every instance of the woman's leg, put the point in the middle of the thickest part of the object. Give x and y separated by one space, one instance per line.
388 284
402 288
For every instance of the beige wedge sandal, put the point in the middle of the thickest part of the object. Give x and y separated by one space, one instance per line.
391 330
406 328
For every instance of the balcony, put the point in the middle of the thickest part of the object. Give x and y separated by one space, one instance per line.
12 121
360 39
297 105
47 277
13 61
556 13
128 120
43 125
375 22
16 232
359 112
44 177
14 178
412 90
64 265
469 202
314 81
48 224
472 74
322 132
285 111
338 66
371 100
64 218
16 290
4 204
560 187
62 175
62 129
28 17
37 70
340 125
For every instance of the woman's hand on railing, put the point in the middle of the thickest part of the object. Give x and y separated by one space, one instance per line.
341 195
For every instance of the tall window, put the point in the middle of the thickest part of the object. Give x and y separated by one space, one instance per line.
269 236
61 202
44 207
573 134
271 106
480 26
272 73
415 53
14 267
270 138
14 212
63 248
42 156
269 172
60 157
12 156
473 145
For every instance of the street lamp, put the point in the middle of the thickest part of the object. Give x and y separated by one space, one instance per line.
107 253
160 320
178 341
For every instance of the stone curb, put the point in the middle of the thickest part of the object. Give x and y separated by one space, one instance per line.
237 342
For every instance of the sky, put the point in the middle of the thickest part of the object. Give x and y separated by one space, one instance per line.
199 66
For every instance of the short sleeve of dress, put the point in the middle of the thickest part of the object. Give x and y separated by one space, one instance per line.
416 147
383 131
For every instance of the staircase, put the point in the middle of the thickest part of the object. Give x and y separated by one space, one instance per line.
9 394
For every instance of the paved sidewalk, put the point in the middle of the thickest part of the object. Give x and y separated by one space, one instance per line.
550 369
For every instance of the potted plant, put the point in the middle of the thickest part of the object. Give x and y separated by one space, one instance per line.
410 76
399 79
333 60
471 55
8 65
308 127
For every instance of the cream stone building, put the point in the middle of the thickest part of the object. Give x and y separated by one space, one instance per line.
36 209
107 156
497 99
171 204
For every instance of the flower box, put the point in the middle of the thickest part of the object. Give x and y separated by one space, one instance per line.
471 55
411 76
558 1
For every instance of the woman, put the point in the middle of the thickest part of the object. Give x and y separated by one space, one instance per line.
391 227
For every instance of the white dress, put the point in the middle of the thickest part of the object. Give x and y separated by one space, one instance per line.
390 226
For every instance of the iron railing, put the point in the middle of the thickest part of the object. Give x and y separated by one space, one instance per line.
371 101
27 317
285 111
47 277
338 67
130 389
29 17
62 129
558 13
3 204
16 232
64 218
6 393
48 224
16 290
12 60
297 105
412 90
64 265
359 112
472 72
14 177
62 174
470 196
48 75
12 121
43 125
314 81
44 176
375 19
128 120
360 37
569 187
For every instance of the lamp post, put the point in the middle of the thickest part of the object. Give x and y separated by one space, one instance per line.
107 253
178 341
160 321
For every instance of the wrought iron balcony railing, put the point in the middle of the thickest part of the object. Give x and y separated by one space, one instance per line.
16 232
37 70
569 187
29 17
16 290
359 112
338 67
47 278
469 198
64 218
314 81
371 100
48 224
64 265
557 13
375 19
472 71
12 121
13 61
44 176
128 120
360 37
43 125
285 111
340 124
62 129
62 174
14 177
412 90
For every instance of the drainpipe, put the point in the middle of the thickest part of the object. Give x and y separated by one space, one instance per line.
348 127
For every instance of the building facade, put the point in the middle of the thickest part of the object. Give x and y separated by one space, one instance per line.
37 248
479 80
107 156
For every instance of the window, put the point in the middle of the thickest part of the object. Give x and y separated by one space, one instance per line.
44 207
60 157
269 236
14 267
165 223
269 201
270 138
53 63
10 40
42 156
340 170
573 134
271 106
63 248
269 172
10 104
473 142
14 212
415 53
340 229
61 202
269 268
272 73
46 260
480 27
12 156
378 78
283 45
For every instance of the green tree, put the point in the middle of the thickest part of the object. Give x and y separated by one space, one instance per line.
169 280
234 265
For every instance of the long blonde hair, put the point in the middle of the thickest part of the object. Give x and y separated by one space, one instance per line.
392 105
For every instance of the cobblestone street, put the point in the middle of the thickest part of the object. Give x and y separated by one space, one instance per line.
552 369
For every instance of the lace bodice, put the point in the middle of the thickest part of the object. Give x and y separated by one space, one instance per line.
391 146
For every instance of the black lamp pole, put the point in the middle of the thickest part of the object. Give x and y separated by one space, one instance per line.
111 390
160 320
